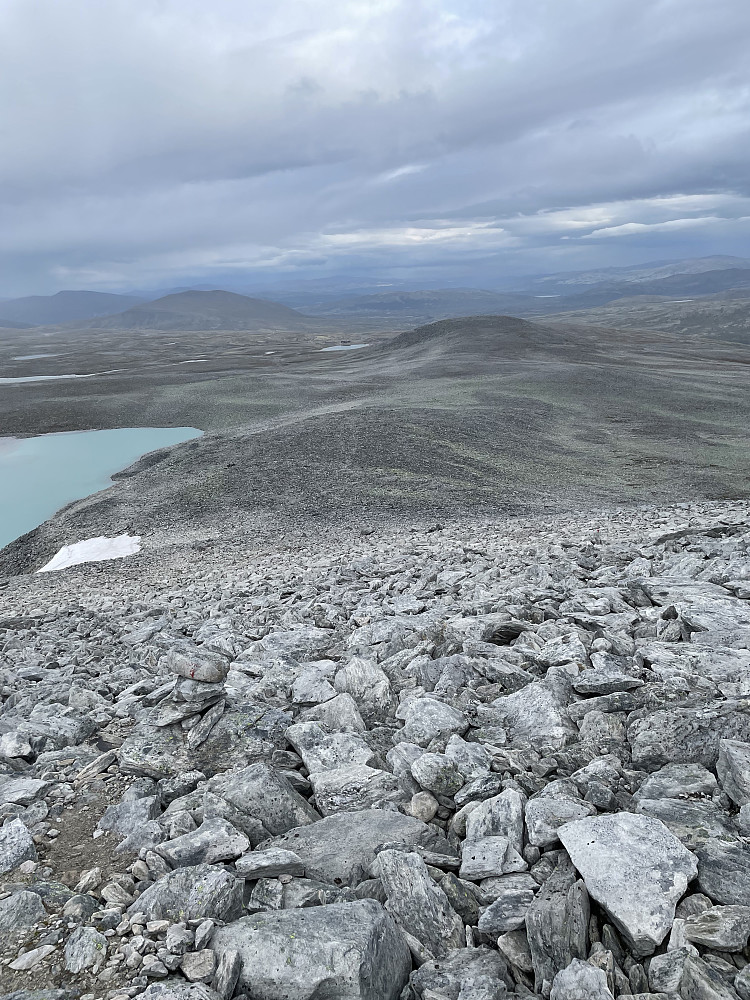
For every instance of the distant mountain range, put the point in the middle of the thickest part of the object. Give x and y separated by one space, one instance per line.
206 310
64 307
218 309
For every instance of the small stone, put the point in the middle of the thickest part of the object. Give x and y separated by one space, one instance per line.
199 966
269 863
31 959
16 846
580 981
203 934
438 774
423 805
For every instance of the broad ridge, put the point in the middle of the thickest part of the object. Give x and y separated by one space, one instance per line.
499 757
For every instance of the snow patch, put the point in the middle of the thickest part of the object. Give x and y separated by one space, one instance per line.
93 550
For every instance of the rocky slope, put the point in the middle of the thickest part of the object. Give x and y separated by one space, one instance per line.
457 763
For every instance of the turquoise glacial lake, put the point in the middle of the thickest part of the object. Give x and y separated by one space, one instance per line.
39 475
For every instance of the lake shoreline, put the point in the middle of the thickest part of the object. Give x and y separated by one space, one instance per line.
40 475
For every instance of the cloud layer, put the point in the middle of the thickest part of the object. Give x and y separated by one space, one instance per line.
149 142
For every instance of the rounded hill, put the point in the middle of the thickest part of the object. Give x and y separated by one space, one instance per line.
482 336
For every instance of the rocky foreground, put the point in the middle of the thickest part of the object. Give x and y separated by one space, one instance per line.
453 763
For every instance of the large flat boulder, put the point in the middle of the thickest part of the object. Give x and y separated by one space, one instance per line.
345 951
340 848
635 868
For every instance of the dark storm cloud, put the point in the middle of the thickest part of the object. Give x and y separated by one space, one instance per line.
147 140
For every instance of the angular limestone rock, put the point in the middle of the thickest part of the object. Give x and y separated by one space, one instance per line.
633 867
341 848
192 893
580 981
557 924
266 795
418 906
345 951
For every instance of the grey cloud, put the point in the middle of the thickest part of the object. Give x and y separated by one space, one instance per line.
172 138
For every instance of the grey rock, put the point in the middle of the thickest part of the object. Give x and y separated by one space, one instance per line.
437 773
724 871
269 863
485 858
426 719
462 896
178 939
31 959
216 807
665 971
507 912
311 688
22 791
16 846
471 759
486 786
341 952
678 779
199 966
341 848
197 664
544 817
635 868
514 947
130 816
536 717
557 924
80 907
263 793
701 982
684 736
214 840
14 746
733 769
304 642
580 981
418 906
723 928
339 715
692 822
227 973
86 949
177 990
179 785
470 973
498 816
192 893
606 681
322 751
423 805
22 909
367 683
742 983
354 786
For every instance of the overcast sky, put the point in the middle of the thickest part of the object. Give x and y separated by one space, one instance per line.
150 143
